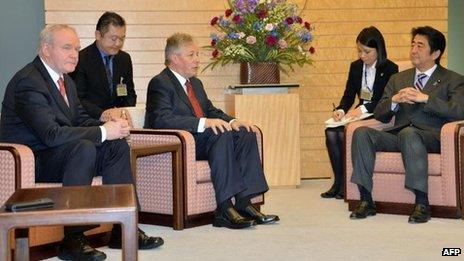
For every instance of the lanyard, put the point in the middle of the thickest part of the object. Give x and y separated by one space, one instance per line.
365 78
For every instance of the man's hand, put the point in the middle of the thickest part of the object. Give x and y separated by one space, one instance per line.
217 125
410 95
116 129
354 113
236 124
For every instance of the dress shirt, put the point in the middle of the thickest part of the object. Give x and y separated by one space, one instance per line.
55 76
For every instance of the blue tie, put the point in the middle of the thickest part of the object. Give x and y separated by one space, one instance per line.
109 76
420 78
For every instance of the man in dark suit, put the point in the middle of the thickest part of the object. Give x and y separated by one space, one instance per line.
422 99
176 99
104 73
41 110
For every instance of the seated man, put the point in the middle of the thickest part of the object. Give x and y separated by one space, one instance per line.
103 74
41 110
176 100
422 99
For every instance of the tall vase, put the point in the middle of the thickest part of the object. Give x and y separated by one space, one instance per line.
259 73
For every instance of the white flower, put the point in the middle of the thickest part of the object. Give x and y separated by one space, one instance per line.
269 27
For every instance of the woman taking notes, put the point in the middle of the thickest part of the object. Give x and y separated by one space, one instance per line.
367 79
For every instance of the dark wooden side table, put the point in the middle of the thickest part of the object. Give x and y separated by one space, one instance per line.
73 206
138 151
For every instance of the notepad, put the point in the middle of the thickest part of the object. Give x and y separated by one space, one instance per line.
331 123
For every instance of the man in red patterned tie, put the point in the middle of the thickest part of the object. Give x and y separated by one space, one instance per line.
41 110
176 99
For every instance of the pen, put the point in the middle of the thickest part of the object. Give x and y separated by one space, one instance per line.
334 107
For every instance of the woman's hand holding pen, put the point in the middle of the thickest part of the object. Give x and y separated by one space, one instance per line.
338 115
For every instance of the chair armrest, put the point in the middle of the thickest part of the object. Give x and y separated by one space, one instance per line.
449 142
17 167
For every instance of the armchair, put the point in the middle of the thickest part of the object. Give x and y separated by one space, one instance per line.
389 192
194 197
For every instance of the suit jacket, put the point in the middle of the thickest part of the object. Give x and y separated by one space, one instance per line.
35 114
354 83
445 103
92 83
168 106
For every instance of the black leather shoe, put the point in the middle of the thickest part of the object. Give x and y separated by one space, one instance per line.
145 242
420 214
331 193
252 213
76 247
363 210
339 195
230 218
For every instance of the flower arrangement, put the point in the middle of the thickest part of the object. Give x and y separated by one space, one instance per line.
257 31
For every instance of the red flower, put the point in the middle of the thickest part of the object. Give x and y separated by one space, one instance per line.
289 20
271 40
214 20
237 19
213 42
307 25
299 19
312 50
228 12
261 13
215 53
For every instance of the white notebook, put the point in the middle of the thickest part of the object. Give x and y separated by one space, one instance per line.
331 123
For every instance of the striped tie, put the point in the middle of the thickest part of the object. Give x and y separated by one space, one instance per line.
419 84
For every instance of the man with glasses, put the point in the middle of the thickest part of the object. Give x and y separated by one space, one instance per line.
104 73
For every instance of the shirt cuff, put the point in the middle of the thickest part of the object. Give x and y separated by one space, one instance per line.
103 130
363 109
201 125
394 106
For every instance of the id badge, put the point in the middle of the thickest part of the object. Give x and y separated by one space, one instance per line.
121 89
366 94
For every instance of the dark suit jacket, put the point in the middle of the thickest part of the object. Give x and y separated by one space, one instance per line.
35 114
168 106
446 101
354 83
92 83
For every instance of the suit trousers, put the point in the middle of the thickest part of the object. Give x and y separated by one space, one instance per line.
334 140
76 163
233 157
413 143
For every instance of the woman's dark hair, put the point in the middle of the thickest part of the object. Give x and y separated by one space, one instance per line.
372 37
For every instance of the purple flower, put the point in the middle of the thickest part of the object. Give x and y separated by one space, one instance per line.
246 6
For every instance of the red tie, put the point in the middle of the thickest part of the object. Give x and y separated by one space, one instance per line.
193 100
63 90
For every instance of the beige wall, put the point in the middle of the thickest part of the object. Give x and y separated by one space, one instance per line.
337 25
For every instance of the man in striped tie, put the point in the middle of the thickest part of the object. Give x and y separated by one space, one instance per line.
422 99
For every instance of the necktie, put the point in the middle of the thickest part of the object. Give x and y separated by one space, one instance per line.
419 83
109 76
63 89
193 100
